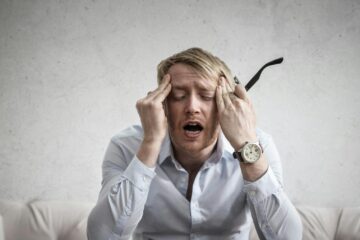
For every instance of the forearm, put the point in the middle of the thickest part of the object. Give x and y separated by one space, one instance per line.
149 152
254 171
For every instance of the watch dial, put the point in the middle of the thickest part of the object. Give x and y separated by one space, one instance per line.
252 153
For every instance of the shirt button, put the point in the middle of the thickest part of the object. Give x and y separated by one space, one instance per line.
252 193
114 189
196 205
264 226
144 178
127 211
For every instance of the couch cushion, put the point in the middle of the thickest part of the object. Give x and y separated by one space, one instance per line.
45 220
319 223
349 224
1 229
64 220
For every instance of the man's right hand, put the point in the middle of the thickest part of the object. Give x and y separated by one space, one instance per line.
153 121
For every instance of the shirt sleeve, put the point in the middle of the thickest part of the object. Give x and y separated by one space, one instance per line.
125 187
273 213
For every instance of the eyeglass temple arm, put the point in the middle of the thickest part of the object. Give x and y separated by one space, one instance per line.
256 77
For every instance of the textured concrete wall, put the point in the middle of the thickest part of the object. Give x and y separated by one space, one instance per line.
71 71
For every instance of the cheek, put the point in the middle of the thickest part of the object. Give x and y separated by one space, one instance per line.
212 118
212 111
173 113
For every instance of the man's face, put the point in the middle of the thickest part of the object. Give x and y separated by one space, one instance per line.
191 110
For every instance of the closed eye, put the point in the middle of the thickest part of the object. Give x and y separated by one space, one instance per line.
207 97
177 97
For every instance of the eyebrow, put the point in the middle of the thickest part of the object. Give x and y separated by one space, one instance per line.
178 88
206 88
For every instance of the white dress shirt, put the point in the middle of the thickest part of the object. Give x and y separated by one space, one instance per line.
150 203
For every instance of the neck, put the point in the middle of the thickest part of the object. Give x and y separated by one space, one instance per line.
193 160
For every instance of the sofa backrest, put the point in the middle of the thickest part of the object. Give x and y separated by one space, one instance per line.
330 223
64 220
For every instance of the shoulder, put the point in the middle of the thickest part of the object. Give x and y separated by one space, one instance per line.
130 136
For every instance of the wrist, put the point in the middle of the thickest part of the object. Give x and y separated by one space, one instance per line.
152 141
149 152
238 143
252 172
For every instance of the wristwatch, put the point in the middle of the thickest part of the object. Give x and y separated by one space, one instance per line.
249 153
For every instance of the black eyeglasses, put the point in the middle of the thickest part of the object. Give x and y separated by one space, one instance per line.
256 77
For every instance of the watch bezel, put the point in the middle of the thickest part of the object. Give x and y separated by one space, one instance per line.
242 157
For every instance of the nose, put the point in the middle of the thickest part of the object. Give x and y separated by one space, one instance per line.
192 104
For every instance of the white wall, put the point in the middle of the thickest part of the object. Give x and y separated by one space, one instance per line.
71 72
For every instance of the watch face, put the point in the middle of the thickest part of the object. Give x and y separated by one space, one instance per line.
251 152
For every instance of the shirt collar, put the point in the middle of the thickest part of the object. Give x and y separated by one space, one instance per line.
165 150
222 146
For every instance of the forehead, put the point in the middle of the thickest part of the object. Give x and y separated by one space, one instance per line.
183 75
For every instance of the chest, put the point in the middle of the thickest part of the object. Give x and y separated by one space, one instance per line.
217 204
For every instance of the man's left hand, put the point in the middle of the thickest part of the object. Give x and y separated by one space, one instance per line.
236 114
238 123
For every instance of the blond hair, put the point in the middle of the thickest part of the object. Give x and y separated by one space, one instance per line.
205 63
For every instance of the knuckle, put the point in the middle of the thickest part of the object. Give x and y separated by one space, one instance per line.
138 104
237 103
151 104
242 104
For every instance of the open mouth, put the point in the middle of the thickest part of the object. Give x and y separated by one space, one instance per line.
192 129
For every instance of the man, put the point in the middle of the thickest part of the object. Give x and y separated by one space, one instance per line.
197 168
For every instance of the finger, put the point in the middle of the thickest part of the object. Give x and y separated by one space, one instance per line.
240 92
233 97
219 100
164 83
225 92
229 86
160 97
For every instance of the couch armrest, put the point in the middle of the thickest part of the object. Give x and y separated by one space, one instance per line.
45 220
1 229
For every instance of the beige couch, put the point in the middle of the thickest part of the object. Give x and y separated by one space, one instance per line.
56 220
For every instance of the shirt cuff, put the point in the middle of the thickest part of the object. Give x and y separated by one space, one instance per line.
139 174
263 187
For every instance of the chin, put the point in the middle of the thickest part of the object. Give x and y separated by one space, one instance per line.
194 145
